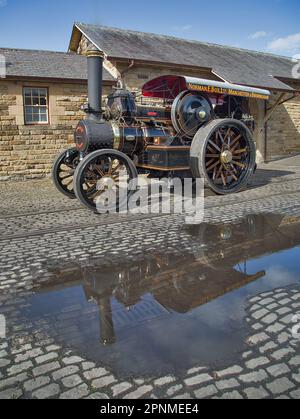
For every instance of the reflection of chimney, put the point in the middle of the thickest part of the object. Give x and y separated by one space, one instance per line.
107 331
95 76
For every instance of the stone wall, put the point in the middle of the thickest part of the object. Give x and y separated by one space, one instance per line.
283 128
28 151
138 75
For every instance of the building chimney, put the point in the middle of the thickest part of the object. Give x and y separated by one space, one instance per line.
95 75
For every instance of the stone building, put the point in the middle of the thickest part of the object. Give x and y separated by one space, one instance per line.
31 133
40 101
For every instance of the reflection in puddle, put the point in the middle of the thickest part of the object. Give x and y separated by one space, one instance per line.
169 310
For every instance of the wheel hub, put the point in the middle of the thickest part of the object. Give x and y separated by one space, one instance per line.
226 157
105 183
202 114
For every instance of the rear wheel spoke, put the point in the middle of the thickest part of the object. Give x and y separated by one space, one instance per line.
221 137
219 172
223 178
210 162
212 166
241 151
232 174
215 173
214 145
235 143
227 136
241 165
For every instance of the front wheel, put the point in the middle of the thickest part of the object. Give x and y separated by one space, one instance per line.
223 154
104 180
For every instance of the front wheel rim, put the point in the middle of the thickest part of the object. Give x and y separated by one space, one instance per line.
102 176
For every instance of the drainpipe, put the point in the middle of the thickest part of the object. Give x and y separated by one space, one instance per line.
266 135
121 79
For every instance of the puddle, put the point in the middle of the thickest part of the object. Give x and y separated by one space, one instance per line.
168 311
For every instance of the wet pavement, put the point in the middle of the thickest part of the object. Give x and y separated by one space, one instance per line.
149 306
165 311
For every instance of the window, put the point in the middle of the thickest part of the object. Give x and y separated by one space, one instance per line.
36 105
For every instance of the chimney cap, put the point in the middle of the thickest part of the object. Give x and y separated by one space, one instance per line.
93 51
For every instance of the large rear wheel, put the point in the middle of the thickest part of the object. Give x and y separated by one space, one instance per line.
223 154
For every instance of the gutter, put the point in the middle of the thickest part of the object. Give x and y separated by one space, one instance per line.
53 80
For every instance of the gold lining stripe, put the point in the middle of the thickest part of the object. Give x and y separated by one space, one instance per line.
163 169
117 136
94 53
166 147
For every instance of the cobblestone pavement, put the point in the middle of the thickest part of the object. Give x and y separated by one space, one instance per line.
39 227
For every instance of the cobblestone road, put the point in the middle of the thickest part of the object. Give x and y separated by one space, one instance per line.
38 228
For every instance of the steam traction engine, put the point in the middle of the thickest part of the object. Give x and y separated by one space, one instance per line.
182 127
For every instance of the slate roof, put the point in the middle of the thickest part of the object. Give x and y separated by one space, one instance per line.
47 65
231 64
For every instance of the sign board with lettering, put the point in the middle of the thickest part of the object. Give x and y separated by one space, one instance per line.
168 87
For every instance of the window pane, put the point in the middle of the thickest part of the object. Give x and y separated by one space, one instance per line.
27 92
35 92
28 116
43 101
28 100
43 92
35 101
44 118
29 109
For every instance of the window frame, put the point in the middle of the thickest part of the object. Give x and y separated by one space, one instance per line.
38 123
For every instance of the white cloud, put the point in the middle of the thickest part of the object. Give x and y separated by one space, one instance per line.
258 35
3 3
290 43
183 28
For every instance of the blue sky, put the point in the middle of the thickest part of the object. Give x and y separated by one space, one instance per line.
269 25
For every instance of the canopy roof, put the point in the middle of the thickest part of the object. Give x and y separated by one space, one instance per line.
234 65
169 86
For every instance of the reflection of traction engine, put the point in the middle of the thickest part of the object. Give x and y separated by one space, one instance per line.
182 283
214 264
191 127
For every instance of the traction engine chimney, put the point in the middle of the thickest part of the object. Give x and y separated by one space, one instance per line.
95 75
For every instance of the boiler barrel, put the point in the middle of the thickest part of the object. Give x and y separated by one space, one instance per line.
131 140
